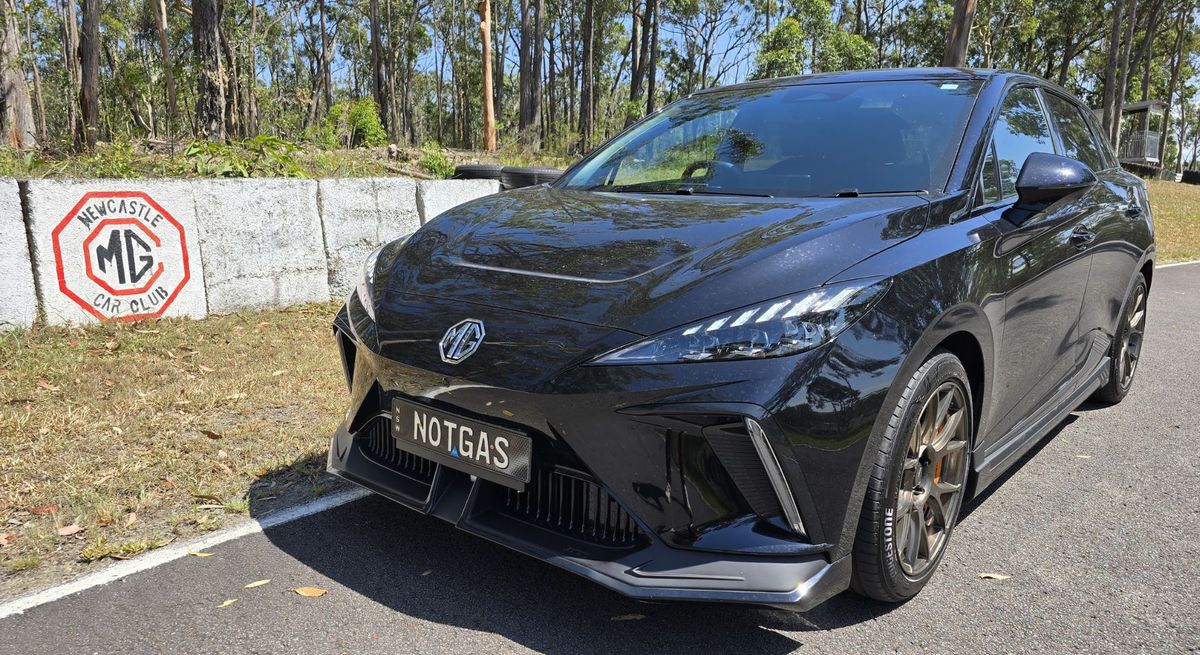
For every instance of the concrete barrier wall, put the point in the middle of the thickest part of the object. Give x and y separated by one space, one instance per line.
18 301
81 251
115 249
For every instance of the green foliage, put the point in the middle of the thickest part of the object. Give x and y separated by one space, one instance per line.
808 41
350 124
260 156
434 161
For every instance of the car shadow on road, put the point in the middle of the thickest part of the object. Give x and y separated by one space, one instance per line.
425 568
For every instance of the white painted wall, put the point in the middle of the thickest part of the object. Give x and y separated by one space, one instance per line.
18 302
250 243
51 201
262 243
359 215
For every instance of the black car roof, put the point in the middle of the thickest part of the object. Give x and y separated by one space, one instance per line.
883 74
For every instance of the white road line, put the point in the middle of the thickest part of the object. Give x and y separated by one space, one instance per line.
1194 261
170 553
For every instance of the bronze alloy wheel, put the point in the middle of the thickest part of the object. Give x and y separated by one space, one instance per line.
932 480
1131 340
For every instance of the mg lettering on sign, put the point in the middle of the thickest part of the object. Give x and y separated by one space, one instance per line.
134 255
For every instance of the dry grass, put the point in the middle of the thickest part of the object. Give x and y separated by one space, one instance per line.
1176 209
145 433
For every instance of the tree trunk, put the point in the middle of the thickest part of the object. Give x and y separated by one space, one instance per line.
1177 57
379 86
206 55
1110 69
252 73
588 78
955 54
1123 75
525 74
489 109
89 66
16 110
39 103
327 55
160 24
652 70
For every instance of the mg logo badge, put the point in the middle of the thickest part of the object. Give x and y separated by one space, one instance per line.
461 340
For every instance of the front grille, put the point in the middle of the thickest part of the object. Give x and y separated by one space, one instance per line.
377 443
574 505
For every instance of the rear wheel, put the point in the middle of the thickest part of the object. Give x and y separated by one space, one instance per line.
917 483
1127 346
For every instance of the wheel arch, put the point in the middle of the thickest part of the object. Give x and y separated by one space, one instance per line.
963 330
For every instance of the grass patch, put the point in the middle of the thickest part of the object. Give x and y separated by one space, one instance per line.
102 549
21 563
1176 209
143 433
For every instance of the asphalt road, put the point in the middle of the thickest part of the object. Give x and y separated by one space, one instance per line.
1097 528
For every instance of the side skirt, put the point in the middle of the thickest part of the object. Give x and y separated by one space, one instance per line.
1025 435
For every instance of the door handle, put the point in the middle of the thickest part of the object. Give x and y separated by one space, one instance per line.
1082 237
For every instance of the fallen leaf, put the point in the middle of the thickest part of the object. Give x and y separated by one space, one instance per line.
212 435
197 553
257 583
1084 456
44 510
205 369
628 617
68 530
130 519
311 592
227 603
994 576
506 413
46 385
118 430
279 373
235 396
7 539
426 572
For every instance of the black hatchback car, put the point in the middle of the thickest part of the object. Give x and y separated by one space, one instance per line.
763 345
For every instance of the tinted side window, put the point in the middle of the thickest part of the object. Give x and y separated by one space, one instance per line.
1020 131
1078 141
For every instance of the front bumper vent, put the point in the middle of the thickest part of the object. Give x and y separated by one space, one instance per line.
377 443
573 505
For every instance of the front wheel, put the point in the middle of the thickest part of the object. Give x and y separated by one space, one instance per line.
916 484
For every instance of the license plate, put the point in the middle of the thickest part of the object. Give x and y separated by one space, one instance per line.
490 452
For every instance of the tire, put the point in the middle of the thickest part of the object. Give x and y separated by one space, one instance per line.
477 172
1126 346
887 562
516 177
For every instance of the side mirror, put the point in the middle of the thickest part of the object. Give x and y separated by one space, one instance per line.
1045 178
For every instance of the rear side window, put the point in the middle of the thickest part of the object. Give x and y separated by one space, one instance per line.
1078 141
1020 131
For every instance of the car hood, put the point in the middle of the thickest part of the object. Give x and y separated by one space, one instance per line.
640 263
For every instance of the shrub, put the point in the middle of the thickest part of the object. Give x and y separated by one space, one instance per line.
434 161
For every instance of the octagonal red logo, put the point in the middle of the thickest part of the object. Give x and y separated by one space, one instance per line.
120 255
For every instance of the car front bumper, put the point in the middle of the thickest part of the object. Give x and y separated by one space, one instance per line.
646 481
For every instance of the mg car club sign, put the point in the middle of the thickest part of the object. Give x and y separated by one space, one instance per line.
120 255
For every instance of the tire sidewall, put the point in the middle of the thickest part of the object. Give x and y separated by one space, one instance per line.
1139 282
940 368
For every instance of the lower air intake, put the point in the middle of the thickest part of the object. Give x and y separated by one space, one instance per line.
572 504
377 443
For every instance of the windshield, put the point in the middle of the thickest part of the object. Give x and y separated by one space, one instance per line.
804 140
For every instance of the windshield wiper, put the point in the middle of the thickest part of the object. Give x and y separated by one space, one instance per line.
691 191
855 193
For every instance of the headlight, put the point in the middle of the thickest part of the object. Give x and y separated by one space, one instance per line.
366 282
773 329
